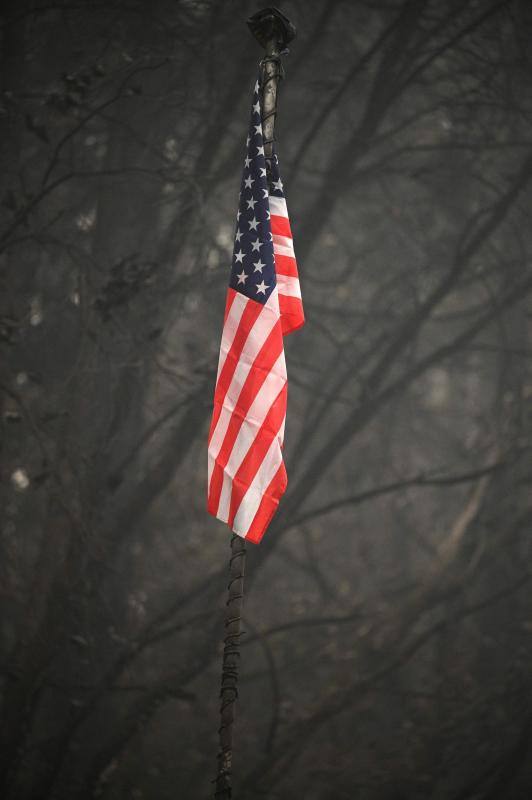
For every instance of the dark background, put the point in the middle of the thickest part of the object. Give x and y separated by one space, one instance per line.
388 618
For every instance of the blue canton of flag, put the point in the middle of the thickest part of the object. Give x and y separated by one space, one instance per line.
253 269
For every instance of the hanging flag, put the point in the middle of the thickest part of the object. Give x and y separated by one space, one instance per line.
246 475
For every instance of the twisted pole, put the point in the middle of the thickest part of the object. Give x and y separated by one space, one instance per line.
230 664
273 31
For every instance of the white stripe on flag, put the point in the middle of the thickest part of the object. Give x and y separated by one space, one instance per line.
288 285
282 241
279 250
278 206
281 431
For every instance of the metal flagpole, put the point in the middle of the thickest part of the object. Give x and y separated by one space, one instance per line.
273 31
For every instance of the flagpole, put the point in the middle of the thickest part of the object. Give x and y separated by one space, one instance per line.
271 74
273 31
230 664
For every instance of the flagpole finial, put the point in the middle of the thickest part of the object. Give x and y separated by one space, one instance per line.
270 27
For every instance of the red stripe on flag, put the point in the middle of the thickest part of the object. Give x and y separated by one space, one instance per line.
292 316
286 265
266 358
231 294
268 506
255 455
280 226
248 319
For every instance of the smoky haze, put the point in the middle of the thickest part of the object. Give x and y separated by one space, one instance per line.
387 611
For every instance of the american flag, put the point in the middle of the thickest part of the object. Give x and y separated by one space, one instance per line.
246 475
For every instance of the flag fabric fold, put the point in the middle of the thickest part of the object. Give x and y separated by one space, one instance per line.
246 472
